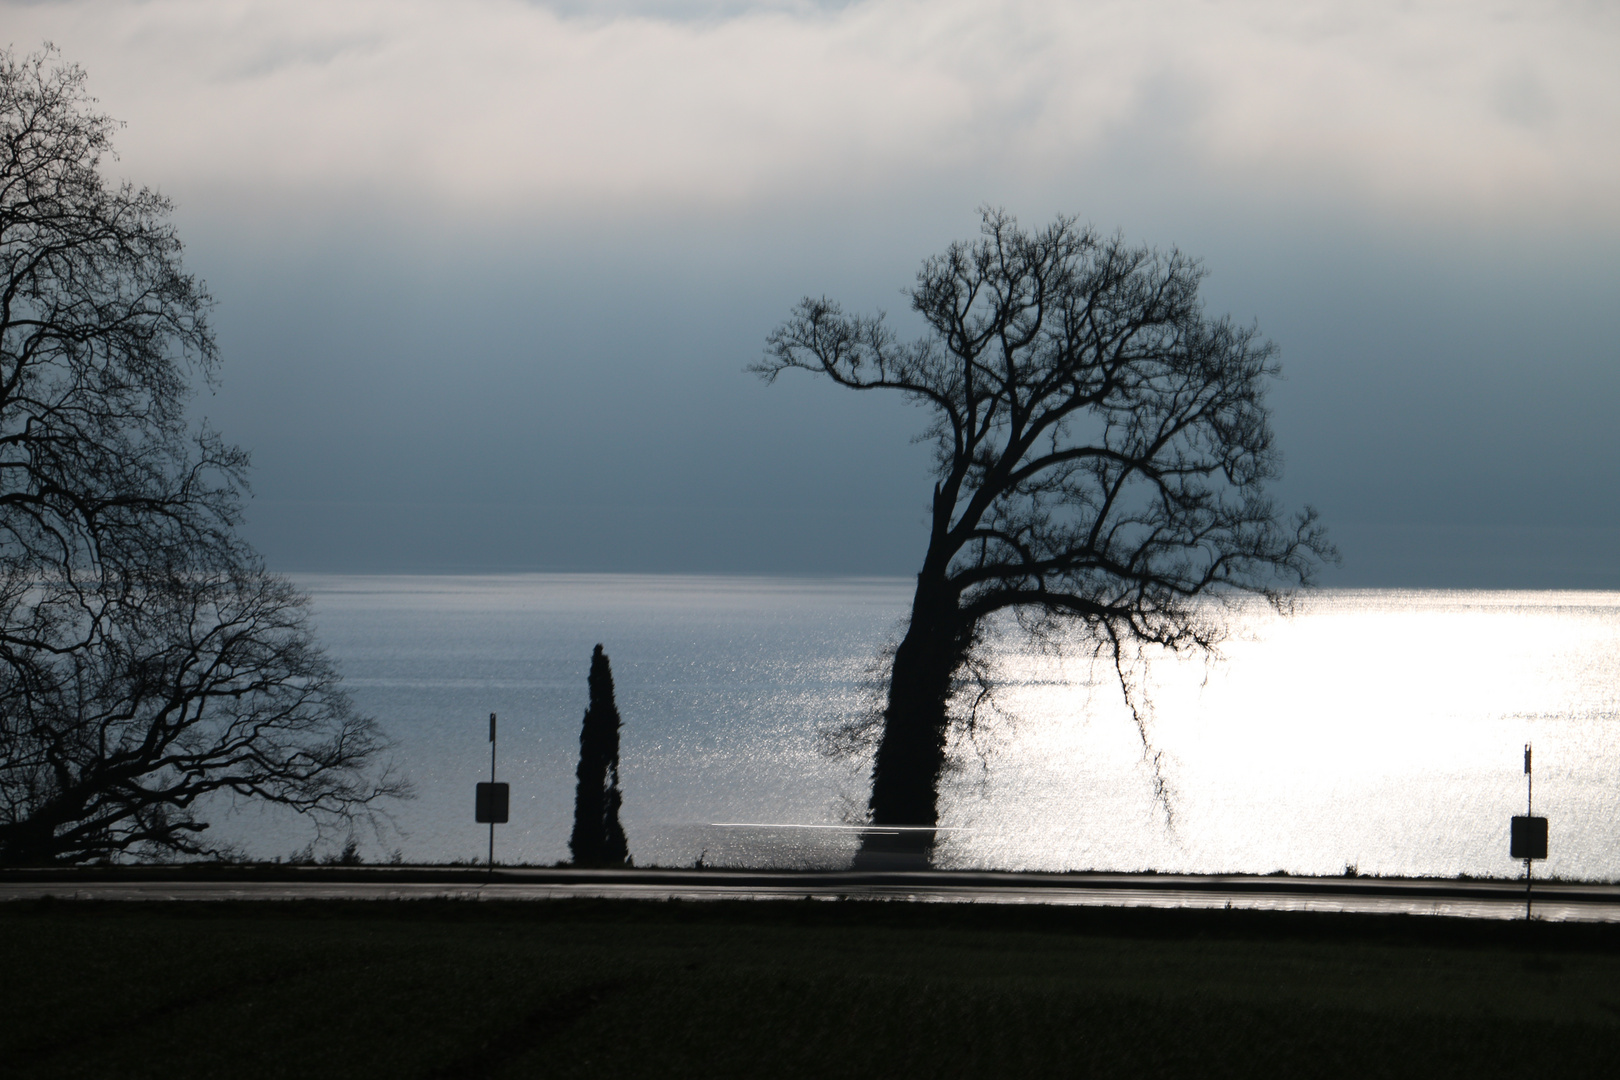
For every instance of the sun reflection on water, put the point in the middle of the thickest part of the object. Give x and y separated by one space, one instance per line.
1373 729
1379 730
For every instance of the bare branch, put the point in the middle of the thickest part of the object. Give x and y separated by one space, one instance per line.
1102 456
147 660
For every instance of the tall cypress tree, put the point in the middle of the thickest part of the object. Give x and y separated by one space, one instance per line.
598 838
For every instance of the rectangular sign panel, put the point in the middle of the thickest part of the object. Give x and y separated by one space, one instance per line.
493 801
1529 838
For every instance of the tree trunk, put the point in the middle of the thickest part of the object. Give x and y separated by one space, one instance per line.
28 842
911 753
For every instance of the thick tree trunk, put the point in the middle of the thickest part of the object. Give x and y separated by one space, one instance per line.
911 753
28 843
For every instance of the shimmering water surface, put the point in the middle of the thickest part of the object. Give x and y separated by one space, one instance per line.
1376 729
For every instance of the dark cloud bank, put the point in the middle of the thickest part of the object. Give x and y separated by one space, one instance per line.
564 404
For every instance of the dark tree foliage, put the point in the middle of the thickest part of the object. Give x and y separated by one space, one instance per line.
598 838
147 661
1102 452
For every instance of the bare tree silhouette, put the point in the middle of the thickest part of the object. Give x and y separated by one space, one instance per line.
147 660
1102 452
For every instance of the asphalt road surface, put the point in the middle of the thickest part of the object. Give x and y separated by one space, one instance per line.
1553 901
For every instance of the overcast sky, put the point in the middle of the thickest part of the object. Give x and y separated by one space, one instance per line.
488 273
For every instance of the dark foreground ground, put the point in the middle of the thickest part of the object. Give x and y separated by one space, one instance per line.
598 988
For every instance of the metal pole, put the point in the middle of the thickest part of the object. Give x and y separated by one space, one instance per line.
1529 784
492 780
1529 804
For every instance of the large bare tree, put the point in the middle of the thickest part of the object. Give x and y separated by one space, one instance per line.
147 661
1102 455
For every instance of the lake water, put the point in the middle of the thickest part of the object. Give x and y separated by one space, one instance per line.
1376 729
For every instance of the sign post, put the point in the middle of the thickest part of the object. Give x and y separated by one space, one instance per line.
493 800
1528 837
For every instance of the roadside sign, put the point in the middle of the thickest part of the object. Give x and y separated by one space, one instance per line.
493 802
1529 837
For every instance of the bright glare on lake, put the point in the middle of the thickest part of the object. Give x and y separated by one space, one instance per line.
1377 729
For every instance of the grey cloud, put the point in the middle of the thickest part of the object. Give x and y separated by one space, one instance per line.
689 10
1521 97
262 59
506 109
525 360
579 402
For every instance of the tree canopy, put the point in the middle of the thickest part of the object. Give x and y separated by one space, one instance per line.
147 660
1102 450
598 838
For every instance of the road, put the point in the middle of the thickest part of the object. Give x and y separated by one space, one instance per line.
1472 899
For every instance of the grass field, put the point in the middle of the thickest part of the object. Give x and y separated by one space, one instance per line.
602 988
